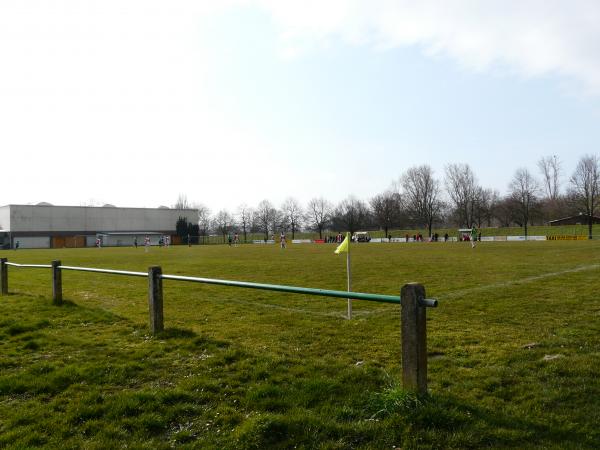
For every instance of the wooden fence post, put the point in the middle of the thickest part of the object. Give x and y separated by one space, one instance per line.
57 297
155 299
3 277
414 338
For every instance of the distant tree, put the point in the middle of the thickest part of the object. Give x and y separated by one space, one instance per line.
318 214
524 189
244 214
551 169
204 219
266 217
291 214
223 223
552 204
351 215
193 233
421 196
463 190
505 211
485 204
182 202
386 209
585 186
181 228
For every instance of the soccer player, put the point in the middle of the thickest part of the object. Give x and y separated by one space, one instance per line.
282 239
473 236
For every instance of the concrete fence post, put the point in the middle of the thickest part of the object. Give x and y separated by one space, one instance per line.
414 338
155 299
57 297
3 277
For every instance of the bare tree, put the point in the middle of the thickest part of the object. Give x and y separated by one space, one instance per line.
485 204
524 189
386 209
244 214
318 214
585 184
350 215
203 219
223 223
292 214
463 190
421 195
266 217
182 202
551 169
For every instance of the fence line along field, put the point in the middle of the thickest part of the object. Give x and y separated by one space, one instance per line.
514 349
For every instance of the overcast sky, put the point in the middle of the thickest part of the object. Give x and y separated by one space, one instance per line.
230 102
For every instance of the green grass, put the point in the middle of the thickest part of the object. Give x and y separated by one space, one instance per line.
514 350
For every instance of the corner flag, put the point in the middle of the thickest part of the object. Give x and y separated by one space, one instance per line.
343 247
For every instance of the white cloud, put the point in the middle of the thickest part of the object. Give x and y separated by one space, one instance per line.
529 38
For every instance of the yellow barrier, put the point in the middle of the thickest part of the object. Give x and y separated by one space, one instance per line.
566 237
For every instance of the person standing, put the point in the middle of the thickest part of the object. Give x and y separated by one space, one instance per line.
282 239
146 243
135 241
473 236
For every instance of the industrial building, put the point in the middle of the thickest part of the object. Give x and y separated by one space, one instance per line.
48 226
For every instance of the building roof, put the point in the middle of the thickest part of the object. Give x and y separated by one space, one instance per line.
106 206
575 216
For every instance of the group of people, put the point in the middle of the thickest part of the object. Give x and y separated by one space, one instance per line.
235 240
146 242
335 239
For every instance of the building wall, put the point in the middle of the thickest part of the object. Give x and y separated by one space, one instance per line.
32 242
4 218
81 219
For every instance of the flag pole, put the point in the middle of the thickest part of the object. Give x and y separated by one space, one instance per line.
349 283
345 247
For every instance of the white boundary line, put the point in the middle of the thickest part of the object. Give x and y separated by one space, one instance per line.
285 308
502 284
462 292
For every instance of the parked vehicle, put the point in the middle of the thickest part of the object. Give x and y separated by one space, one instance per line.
361 236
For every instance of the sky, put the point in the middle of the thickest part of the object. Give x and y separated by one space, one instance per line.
134 103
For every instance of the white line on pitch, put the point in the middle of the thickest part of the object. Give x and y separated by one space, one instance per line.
285 308
462 292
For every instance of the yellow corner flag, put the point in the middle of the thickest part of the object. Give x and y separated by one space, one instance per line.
343 247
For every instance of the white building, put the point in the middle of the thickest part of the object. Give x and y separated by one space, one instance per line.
47 226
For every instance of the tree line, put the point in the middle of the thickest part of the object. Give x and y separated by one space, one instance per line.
419 199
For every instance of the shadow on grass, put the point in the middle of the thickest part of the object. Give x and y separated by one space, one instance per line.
176 333
495 427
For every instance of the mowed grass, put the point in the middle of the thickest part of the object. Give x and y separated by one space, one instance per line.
514 350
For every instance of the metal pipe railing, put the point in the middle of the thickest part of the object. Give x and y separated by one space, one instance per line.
109 271
289 289
37 266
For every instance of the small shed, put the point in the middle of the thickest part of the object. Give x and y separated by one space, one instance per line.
464 234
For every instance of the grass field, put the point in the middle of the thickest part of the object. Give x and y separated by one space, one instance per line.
514 350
